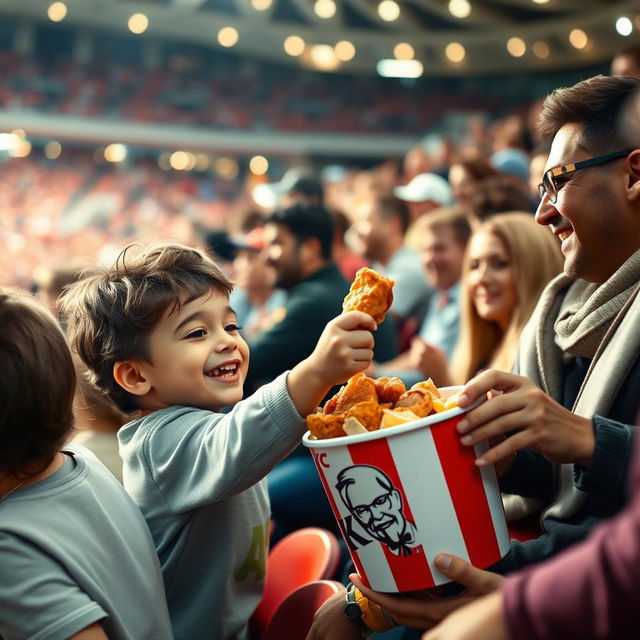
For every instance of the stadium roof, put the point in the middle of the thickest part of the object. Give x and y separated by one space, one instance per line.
446 37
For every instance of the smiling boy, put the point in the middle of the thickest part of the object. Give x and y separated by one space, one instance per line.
158 334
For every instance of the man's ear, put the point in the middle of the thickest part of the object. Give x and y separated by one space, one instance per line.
634 175
129 375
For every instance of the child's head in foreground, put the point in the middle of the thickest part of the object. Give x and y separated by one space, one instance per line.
36 394
156 330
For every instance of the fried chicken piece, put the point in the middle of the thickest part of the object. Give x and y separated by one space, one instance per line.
359 388
370 292
368 413
330 404
323 427
428 386
419 401
389 389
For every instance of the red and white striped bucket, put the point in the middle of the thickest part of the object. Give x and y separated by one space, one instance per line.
404 494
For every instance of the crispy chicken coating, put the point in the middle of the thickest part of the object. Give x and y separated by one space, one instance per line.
359 388
368 413
370 292
375 404
389 389
322 426
419 401
428 386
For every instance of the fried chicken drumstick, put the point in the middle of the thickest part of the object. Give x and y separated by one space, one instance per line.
370 292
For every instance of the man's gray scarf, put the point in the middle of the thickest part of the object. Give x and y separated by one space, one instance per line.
600 322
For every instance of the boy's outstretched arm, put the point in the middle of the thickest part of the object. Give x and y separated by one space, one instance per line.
344 349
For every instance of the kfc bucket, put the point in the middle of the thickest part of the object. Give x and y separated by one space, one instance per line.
402 495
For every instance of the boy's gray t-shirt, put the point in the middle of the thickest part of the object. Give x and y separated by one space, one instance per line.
75 550
198 478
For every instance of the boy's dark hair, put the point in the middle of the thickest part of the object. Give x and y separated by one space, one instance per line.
598 104
38 384
110 315
305 220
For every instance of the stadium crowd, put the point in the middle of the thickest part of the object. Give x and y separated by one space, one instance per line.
539 322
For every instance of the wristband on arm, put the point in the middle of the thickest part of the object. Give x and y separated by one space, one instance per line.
367 615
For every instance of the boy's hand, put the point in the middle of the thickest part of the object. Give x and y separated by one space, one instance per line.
344 349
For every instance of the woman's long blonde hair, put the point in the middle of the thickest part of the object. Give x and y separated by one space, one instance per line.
535 258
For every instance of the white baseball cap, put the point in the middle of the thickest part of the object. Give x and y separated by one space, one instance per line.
426 187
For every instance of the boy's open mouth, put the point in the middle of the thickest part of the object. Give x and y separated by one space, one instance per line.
224 371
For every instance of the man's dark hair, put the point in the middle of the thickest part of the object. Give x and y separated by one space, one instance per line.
391 207
308 189
110 315
304 220
498 195
598 105
38 384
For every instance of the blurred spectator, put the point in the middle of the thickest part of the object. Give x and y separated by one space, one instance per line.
222 248
626 62
512 162
254 298
425 192
347 261
466 172
298 183
444 235
537 164
379 228
96 421
298 244
500 290
498 194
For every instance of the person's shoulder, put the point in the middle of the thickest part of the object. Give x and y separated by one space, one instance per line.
327 285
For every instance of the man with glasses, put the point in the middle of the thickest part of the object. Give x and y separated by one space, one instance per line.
563 429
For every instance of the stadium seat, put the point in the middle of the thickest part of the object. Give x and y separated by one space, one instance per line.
292 619
304 556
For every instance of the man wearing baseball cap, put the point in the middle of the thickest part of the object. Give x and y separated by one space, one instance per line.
425 192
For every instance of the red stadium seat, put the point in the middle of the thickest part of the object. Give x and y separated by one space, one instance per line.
294 616
301 557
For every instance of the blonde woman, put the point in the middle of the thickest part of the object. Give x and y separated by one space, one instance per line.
509 260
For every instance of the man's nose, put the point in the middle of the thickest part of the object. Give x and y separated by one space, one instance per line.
546 211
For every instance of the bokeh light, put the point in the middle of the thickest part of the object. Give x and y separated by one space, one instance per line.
138 23
404 51
57 11
294 45
344 50
389 10
455 52
258 165
228 36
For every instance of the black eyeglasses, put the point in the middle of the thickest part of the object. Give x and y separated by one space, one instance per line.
549 183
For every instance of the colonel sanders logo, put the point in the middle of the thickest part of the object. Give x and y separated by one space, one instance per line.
376 505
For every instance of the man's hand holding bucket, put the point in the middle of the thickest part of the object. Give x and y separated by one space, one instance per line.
528 417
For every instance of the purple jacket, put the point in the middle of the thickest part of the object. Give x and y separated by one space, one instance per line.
589 591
